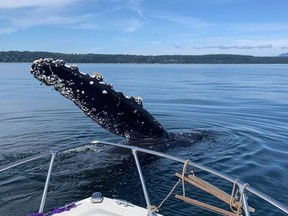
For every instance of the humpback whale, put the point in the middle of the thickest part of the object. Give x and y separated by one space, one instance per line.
112 110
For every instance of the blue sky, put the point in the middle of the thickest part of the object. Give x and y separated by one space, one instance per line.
145 27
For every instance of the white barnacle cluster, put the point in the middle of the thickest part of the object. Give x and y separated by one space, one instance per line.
85 109
59 84
47 61
48 77
63 88
51 79
116 130
82 106
38 62
99 120
93 115
127 135
74 68
138 100
97 76
102 118
40 73
59 63
99 79
67 92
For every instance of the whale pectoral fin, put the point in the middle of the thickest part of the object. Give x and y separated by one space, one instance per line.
112 110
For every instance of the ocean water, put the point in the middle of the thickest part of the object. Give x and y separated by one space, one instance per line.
239 110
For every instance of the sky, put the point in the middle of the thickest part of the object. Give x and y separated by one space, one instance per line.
145 27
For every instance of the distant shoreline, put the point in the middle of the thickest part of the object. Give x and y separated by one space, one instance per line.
27 56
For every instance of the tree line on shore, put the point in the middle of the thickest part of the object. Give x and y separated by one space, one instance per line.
27 56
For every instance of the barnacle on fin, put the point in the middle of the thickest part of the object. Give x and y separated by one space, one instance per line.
98 76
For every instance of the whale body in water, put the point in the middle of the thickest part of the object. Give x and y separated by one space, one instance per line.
112 110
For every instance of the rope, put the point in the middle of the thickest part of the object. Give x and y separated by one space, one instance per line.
67 207
186 163
156 208
183 175
232 195
169 194
238 212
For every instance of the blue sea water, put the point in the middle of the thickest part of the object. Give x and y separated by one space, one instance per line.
241 111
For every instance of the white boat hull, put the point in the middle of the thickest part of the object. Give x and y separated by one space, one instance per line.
108 207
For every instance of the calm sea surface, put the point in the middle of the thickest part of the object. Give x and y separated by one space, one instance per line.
240 110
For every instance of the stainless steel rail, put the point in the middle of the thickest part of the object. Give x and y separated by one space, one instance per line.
23 161
243 187
44 195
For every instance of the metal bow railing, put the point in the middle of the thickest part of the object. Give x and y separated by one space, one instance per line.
242 187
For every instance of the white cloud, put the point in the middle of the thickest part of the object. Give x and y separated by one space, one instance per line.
264 27
16 16
7 30
18 23
121 15
226 47
188 21
127 25
9 4
133 25
33 20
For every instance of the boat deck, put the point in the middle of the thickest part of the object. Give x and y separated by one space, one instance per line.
108 207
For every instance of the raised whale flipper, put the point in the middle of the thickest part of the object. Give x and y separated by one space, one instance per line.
121 115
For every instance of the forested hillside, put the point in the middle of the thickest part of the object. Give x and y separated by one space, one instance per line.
26 56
